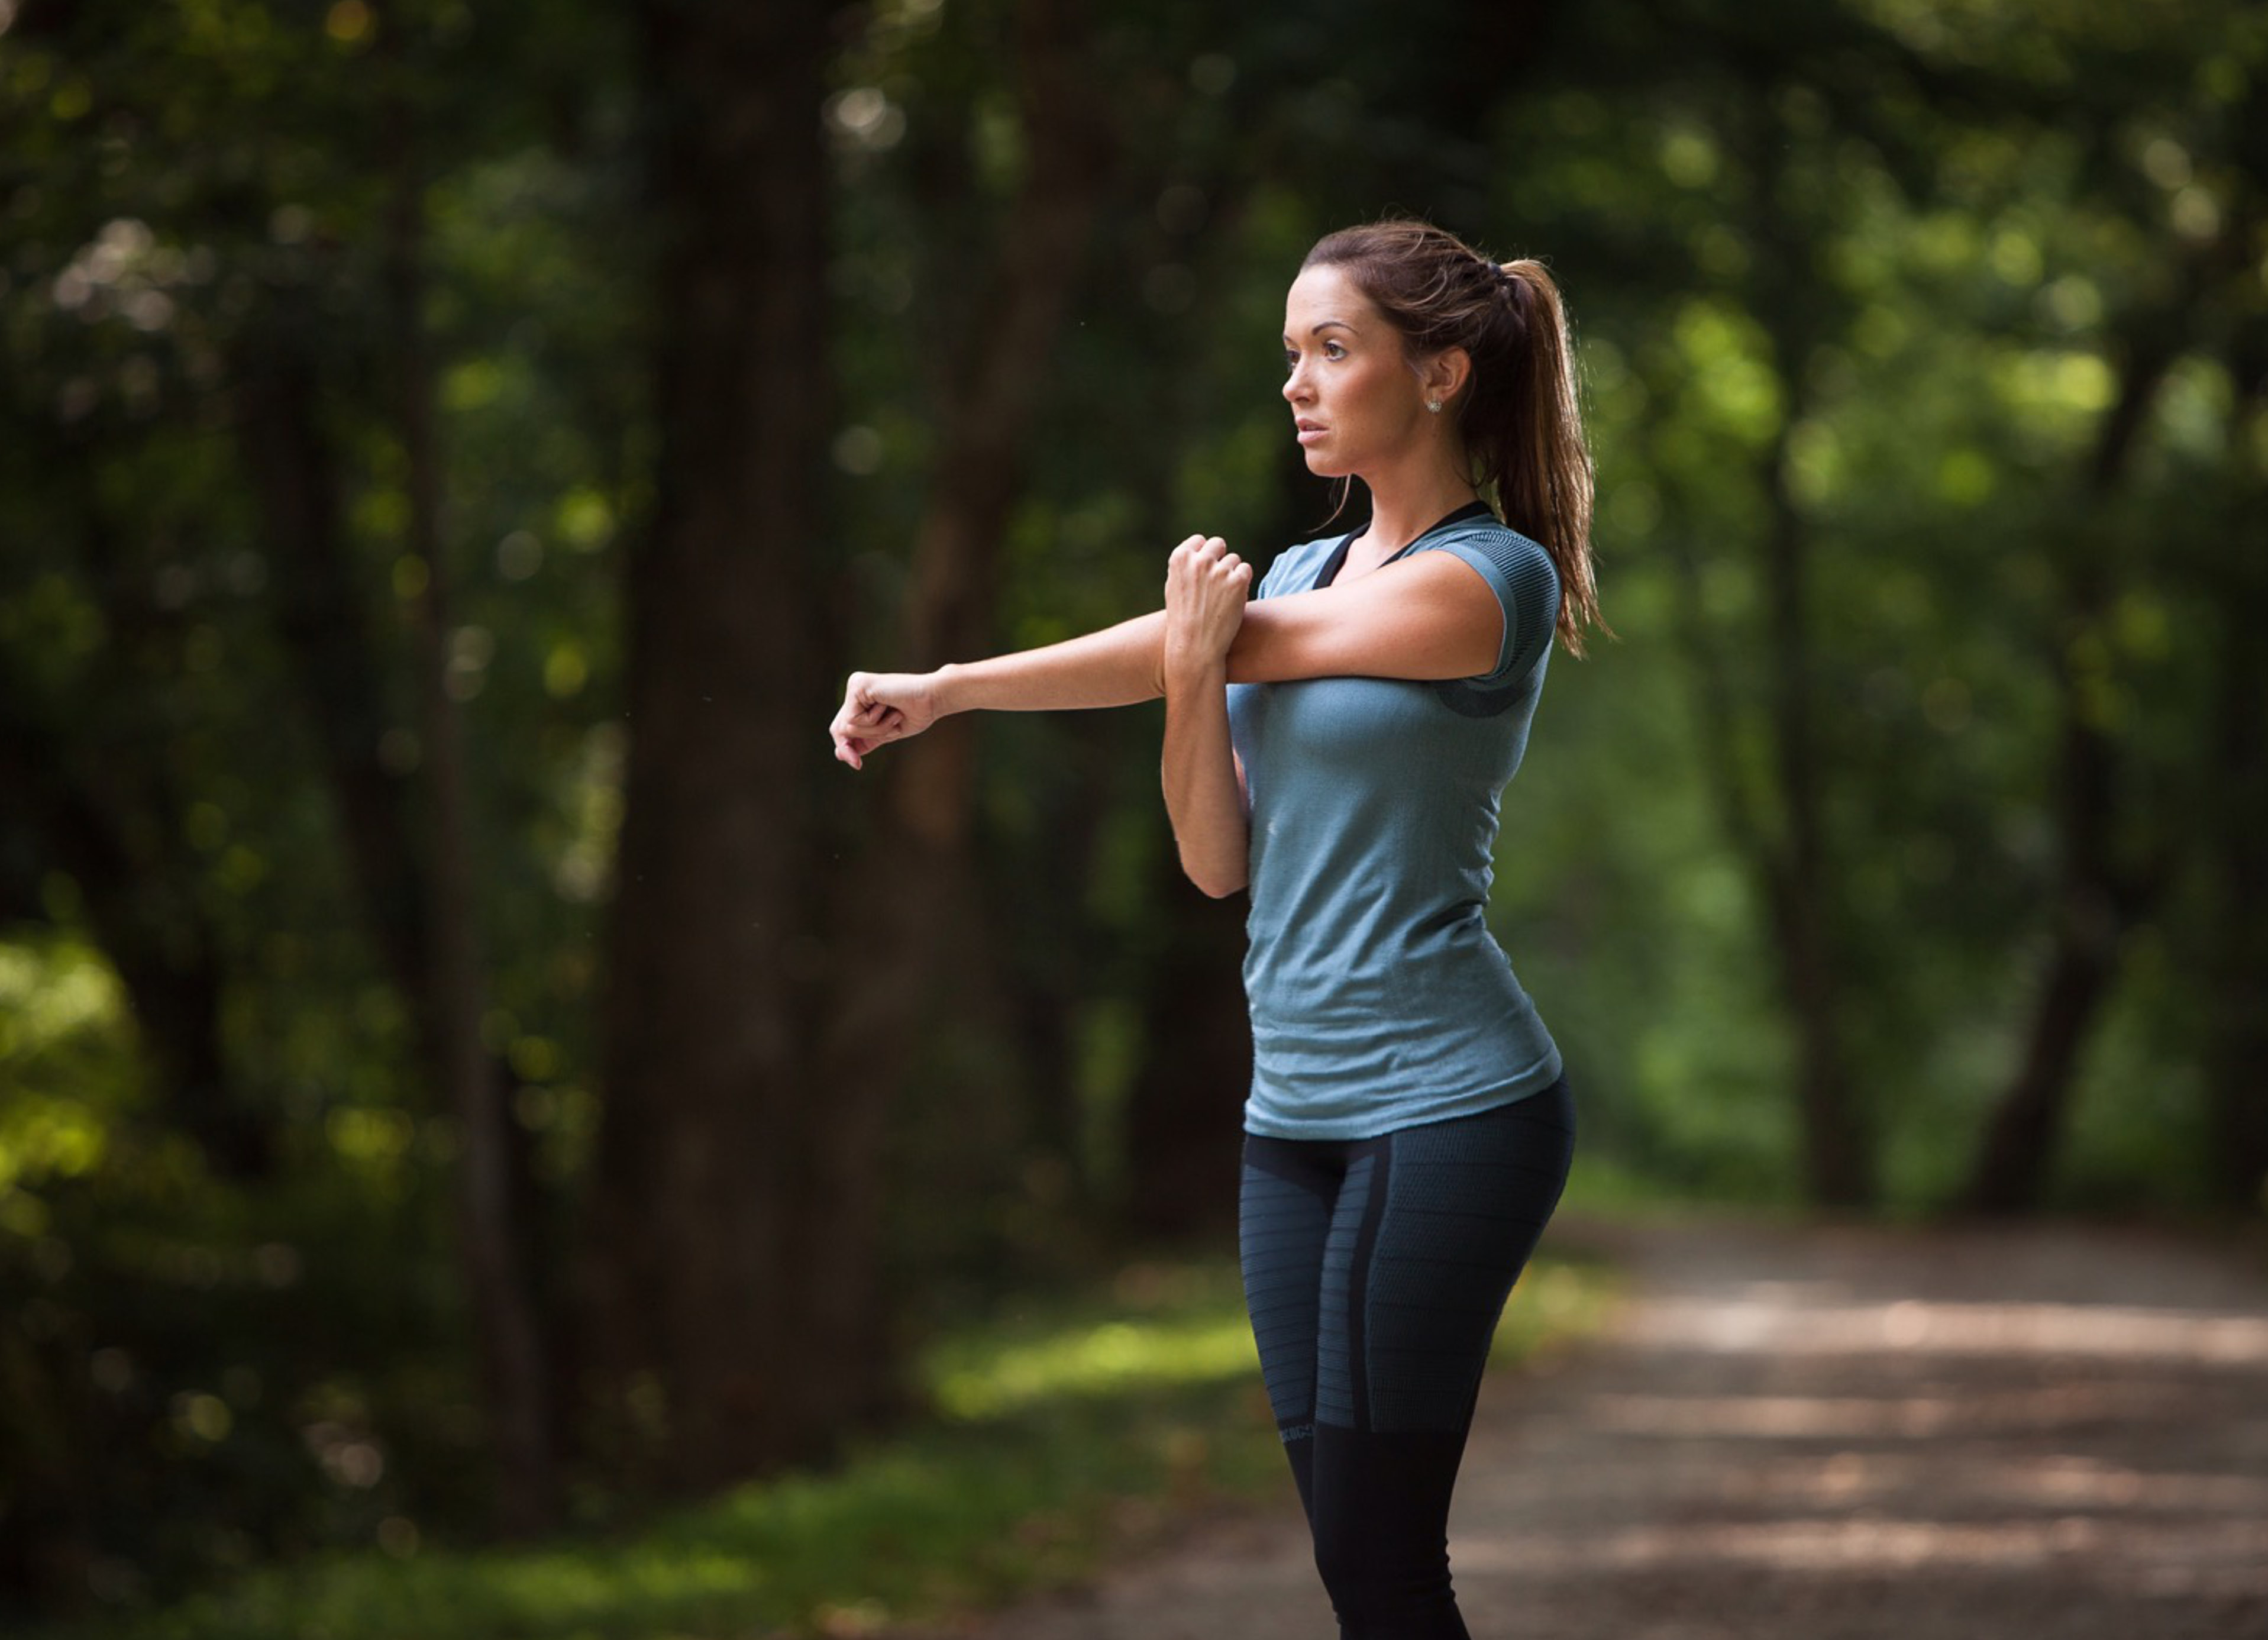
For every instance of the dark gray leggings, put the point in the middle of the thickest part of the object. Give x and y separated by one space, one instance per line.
1375 1271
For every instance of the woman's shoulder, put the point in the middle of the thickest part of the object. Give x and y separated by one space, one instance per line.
1499 543
1295 567
1521 572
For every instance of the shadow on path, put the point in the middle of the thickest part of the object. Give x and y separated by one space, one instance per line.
1807 1433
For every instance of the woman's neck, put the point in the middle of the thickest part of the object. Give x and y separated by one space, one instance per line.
1399 514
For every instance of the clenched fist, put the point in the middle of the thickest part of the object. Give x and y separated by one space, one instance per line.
1206 586
879 707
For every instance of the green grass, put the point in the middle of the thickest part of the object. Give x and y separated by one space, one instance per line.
1064 1434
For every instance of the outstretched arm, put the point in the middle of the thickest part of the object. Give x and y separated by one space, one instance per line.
1114 667
1428 616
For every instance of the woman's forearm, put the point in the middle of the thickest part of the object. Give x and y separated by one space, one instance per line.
1114 667
1204 797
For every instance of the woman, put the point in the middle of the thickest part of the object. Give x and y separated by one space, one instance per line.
1337 745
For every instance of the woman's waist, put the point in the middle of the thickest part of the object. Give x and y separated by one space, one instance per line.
1373 943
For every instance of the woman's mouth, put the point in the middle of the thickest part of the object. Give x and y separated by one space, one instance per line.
1308 431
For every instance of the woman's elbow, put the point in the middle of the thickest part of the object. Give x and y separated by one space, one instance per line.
1215 882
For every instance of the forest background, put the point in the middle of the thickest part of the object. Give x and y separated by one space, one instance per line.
468 1056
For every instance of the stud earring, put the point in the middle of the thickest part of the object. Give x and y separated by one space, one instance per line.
1434 405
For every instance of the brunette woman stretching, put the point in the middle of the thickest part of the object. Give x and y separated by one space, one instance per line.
1337 744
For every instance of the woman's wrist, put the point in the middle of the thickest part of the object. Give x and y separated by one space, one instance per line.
1190 671
949 689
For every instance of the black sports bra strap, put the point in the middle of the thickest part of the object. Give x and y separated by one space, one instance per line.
1336 562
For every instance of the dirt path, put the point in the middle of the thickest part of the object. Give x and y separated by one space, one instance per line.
1825 1434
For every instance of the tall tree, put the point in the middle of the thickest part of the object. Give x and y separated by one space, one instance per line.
492 1244
899 921
2236 954
2117 854
733 1311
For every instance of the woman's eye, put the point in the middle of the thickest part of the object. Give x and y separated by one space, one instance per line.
1332 349
1290 361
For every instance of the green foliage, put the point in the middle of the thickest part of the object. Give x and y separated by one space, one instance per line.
1879 270
1790 248
259 1377
62 1055
206 1369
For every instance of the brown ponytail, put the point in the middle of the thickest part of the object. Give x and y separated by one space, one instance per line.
1522 423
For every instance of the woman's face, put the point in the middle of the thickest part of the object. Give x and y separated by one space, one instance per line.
1355 404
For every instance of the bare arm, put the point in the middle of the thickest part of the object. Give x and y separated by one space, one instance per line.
1428 616
1114 667
1432 616
1206 591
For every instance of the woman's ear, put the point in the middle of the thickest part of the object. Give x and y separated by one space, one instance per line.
1445 373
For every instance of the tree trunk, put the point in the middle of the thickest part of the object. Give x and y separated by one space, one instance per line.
2236 1041
732 1308
2236 1025
1057 958
1185 1109
908 923
2098 895
738 1202
1784 832
1838 1149
2083 959
492 1246
292 469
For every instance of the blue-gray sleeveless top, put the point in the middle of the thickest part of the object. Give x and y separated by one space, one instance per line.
1378 997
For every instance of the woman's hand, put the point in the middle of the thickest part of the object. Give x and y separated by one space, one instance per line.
879 707
1206 586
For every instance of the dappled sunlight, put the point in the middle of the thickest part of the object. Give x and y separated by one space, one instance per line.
474 1070
1783 1417
1552 1300
1986 1481
64 1056
1212 1344
1105 1360
1806 1431
2085 1483
1761 1317
2221 1558
551 1588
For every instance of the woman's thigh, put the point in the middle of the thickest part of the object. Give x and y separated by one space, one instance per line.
1376 1270
1464 1203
